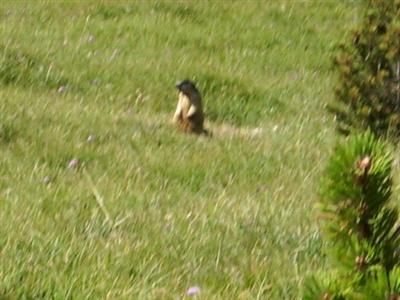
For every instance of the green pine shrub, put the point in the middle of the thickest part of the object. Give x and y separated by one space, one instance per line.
368 88
360 226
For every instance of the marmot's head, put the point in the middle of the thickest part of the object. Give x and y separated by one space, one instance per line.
187 87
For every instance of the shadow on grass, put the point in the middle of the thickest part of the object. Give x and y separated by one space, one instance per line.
8 131
26 70
232 100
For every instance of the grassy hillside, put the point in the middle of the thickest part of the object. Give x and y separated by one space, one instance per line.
148 211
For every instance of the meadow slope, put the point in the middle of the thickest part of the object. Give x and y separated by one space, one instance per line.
149 211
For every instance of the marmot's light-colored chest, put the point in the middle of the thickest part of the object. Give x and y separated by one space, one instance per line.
185 103
189 113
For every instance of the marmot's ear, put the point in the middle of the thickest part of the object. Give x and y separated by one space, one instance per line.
185 85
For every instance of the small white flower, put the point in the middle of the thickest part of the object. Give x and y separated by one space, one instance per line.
62 89
91 138
90 38
46 180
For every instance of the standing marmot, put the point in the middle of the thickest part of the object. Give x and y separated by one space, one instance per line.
189 112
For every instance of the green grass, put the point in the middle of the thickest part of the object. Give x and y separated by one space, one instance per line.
233 215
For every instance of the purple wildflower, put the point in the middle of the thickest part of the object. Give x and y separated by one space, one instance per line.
193 290
73 163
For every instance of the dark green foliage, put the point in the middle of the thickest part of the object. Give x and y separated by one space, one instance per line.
112 12
8 129
368 90
360 225
225 96
23 69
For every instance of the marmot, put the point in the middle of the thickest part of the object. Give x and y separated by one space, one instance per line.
189 112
